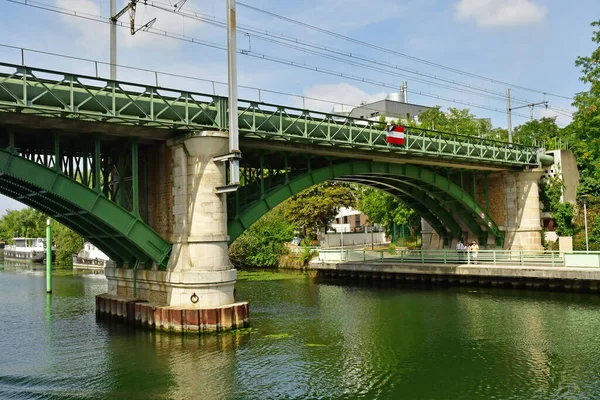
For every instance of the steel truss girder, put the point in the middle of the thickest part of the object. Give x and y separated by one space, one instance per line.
97 99
431 205
453 206
252 212
437 222
121 235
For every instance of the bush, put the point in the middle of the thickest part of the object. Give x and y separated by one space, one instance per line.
262 244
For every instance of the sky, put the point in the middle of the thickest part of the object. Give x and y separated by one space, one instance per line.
437 46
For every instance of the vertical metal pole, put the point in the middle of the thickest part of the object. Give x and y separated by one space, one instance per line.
121 183
587 249
113 40
96 165
48 257
135 208
510 137
372 245
234 167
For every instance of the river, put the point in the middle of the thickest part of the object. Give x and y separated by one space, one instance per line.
308 339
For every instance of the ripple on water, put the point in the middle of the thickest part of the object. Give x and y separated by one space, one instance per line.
308 340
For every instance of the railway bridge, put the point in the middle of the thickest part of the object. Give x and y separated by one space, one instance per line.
138 170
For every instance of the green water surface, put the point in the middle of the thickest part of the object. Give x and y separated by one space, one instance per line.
307 340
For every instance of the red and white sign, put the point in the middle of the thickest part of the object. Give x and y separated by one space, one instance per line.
395 134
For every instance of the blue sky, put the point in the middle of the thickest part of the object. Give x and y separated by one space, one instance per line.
529 43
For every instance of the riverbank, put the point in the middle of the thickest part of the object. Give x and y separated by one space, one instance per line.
541 277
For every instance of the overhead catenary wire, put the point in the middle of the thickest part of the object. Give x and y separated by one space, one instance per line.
290 43
103 19
301 45
397 53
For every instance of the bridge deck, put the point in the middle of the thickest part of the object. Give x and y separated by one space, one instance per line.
160 113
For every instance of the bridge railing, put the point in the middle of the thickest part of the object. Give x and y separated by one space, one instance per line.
50 92
454 258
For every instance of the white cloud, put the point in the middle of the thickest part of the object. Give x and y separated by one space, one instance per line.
336 95
500 13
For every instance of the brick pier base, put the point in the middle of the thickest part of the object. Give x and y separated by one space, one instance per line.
174 319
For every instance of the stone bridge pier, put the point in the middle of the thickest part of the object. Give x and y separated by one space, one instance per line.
513 202
196 292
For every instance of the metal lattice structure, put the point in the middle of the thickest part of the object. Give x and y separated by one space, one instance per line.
439 200
52 93
85 173
91 187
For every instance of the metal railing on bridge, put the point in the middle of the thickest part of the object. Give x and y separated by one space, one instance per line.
48 93
450 257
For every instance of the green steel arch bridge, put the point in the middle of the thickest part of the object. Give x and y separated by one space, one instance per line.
84 151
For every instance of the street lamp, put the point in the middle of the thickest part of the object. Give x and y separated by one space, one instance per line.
584 198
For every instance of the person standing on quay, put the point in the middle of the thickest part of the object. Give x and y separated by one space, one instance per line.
474 251
460 249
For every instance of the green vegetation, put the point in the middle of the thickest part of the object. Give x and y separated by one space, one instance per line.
32 223
384 209
263 243
315 208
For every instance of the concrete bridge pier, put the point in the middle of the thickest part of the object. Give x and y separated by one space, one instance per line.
523 213
514 204
196 292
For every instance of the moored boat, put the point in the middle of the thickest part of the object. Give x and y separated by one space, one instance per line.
27 249
90 259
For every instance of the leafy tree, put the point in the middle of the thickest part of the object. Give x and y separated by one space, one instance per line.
67 242
586 119
316 207
563 216
588 187
31 223
383 208
541 133
26 223
263 243
550 192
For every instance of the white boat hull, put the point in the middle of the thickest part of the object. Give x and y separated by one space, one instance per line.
32 256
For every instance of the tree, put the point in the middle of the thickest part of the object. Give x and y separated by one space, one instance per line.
25 223
551 191
263 243
316 207
31 223
542 133
586 119
67 242
383 208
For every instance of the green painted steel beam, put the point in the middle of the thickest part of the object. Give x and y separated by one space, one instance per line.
439 221
94 215
416 193
456 207
71 96
252 212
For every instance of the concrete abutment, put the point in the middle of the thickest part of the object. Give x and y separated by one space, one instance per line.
199 280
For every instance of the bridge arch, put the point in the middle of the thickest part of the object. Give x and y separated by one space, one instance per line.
420 185
124 237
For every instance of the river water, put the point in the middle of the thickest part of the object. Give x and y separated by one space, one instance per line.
308 339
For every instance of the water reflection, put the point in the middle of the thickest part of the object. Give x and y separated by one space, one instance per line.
308 339
178 366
